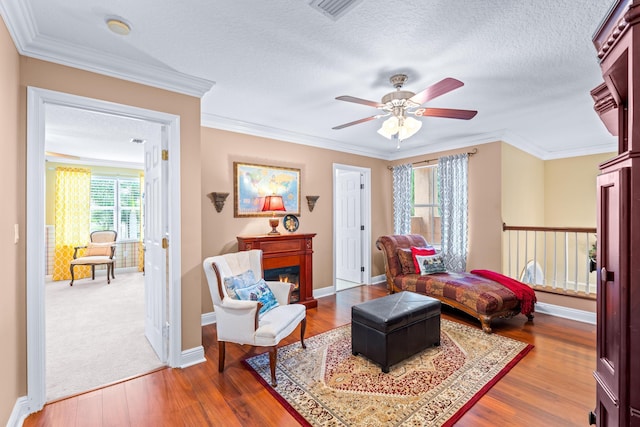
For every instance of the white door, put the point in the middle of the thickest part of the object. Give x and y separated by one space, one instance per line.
349 227
155 230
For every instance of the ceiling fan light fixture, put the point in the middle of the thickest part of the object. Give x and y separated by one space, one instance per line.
389 127
409 128
392 126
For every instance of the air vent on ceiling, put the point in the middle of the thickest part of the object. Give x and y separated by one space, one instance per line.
334 9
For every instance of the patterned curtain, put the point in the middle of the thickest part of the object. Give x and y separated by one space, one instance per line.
402 202
72 219
452 173
141 241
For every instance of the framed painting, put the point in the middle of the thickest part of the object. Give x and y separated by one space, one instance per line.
252 183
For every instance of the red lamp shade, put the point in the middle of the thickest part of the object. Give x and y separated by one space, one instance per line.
273 203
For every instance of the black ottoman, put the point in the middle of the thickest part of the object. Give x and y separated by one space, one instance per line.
388 330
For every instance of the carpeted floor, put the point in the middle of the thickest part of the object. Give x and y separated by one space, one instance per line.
325 385
95 333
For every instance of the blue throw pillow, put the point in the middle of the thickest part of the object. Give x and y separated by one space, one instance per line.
242 280
259 292
430 264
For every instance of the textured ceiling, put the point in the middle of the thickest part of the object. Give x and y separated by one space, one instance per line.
277 65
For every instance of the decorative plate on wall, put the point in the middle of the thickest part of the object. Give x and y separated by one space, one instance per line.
290 223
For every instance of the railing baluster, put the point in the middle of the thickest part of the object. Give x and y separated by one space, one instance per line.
575 286
544 262
517 251
555 259
574 246
586 271
535 257
509 237
566 261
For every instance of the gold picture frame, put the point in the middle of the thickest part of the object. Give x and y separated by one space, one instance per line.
252 182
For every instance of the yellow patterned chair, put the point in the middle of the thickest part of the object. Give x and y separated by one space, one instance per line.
100 251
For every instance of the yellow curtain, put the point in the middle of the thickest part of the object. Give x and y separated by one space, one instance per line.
72 219
141 242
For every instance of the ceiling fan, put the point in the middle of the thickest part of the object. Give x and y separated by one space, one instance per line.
398 105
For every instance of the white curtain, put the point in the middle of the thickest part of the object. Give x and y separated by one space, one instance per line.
452 173
402 199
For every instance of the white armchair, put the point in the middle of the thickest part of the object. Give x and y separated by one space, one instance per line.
238 321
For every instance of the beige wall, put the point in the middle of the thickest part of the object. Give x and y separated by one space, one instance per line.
12 176
570 190
221 148
17 74
207 156
485 222
523 191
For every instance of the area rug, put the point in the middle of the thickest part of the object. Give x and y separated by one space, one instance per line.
325 385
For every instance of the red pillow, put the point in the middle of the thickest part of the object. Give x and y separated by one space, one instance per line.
421 251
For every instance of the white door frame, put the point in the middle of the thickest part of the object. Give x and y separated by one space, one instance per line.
36 350
365 211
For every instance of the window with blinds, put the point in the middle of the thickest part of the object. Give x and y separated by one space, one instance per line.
115 205
425 218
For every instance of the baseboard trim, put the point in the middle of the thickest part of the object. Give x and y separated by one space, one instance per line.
208 318
191 357
375 280
324 292
19 413
566 312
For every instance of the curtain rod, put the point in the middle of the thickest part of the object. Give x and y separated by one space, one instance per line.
470 153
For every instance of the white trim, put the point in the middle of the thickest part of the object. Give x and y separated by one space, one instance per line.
208 318
376 280
324 292
175 245
36 328
191 357
29 42
365 212
19 413
566 312
36 100
248 128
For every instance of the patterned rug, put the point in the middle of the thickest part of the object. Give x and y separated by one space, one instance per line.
325 385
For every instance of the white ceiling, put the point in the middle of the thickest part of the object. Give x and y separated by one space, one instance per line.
528 66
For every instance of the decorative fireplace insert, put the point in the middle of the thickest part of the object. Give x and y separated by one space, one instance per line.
283 257
288 275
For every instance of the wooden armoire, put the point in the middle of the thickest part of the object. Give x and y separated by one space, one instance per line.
617 102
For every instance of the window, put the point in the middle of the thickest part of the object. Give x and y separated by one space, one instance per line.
115 205
425 217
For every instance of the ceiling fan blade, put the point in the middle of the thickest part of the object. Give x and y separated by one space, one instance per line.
436 89
367 119
446 113
360 101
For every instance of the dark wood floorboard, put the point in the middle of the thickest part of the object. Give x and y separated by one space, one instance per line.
552 386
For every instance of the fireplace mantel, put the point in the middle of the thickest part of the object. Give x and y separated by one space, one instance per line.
286 250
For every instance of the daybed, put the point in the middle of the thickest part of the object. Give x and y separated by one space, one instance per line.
478 296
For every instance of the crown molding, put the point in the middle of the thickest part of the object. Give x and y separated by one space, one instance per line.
446 146
224 123
24 32
583 151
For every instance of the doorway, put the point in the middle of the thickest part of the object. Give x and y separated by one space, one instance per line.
351 219
167 300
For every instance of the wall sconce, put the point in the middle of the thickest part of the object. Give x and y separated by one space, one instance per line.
311 202
218 199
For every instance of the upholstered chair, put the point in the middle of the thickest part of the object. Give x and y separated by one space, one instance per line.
239 320
100 251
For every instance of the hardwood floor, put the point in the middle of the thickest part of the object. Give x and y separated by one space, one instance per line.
552 386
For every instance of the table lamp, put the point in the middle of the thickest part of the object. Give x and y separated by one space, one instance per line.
272 204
